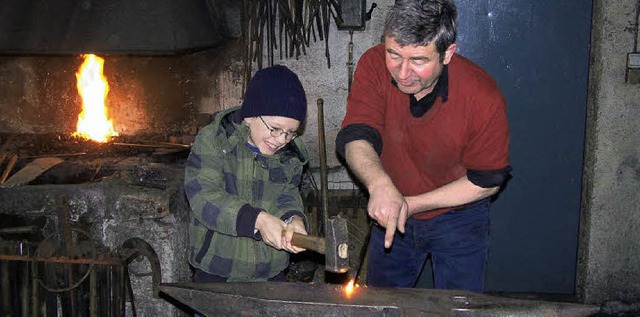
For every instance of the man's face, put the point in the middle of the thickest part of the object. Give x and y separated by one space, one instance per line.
415 68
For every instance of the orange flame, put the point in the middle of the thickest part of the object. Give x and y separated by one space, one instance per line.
350 288
93 88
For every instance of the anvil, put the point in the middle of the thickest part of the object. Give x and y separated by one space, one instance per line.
302 299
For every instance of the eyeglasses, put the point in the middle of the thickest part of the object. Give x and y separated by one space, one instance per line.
277 132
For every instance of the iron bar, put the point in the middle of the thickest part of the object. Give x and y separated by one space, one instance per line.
93 293
129 291
21 229
24 288
121 298
155 145
35 292
59 259
350 61
6 290
323 166
103 291
55 155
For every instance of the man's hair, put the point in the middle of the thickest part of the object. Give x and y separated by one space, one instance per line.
420 22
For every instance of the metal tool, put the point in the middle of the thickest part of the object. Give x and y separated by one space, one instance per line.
302 299
364 249
334 245
322 151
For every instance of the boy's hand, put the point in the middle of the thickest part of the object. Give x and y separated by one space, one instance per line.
270 228
296 225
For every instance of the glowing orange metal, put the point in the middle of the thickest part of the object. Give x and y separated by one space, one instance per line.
93 88
350 288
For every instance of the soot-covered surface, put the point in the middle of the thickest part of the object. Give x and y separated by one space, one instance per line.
89 161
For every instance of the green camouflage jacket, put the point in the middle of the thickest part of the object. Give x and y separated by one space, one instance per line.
227 185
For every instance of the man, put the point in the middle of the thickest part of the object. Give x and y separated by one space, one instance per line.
426 133
241 180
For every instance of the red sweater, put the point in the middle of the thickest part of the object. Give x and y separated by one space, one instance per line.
469 131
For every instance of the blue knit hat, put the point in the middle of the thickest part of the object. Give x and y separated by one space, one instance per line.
275 91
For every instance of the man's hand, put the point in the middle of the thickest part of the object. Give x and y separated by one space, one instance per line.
389 208
296 225
270 228
386 205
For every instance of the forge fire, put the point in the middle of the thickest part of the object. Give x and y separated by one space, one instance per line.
93 122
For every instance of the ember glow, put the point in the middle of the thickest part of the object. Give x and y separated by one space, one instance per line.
350 288
93 88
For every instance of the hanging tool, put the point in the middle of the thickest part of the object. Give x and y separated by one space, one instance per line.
346 13
350 61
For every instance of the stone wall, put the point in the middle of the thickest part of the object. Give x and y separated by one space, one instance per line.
609 254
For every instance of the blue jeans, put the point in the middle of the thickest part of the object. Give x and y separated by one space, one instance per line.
458 242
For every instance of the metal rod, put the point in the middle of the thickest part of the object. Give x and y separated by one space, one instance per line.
35 291
55 155
112 289
122 290
323 166
118 291
156 145
247 10
6 291
93 293
101 261
103 291
67 245
22 229
130 296
350 60
363 253
107 295
24 288
269 34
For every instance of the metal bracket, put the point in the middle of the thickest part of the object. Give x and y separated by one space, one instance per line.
133 248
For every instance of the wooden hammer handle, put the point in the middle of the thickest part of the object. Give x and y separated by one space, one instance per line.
309 242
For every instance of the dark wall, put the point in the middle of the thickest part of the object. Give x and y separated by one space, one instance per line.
113 26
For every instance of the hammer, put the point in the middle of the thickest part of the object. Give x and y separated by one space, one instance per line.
334 245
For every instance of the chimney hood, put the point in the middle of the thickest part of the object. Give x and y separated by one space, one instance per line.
146 27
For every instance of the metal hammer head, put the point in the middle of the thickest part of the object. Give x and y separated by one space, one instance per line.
336 245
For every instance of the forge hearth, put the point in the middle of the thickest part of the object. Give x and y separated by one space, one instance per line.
130 188
81 160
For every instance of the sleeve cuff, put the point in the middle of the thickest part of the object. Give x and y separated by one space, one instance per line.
358 131
296 213
488 179
246 222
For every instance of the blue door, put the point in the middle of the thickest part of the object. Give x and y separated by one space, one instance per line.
538 52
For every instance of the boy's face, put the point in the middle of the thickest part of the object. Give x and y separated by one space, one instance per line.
264 128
